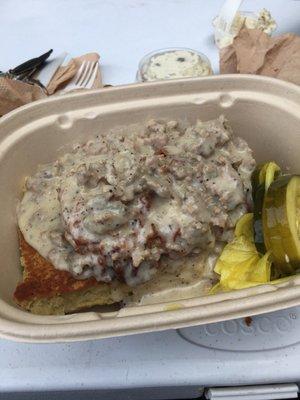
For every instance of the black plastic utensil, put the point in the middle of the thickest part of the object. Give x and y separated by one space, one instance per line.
30 66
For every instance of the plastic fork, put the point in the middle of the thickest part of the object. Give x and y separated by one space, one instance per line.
227 14
84 77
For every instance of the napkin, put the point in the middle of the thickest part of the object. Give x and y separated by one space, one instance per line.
255 52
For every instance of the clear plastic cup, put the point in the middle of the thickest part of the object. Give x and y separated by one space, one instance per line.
224 38
144 64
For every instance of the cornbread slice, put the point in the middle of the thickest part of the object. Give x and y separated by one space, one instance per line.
48 291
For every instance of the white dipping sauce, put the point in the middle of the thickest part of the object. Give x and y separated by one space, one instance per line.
175 64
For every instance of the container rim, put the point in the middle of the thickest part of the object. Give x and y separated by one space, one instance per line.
172 82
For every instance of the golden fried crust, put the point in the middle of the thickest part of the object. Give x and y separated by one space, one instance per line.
41 281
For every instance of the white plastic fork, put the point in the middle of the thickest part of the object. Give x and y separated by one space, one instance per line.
227 14
84 77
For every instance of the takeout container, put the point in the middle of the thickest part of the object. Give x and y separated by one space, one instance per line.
264 111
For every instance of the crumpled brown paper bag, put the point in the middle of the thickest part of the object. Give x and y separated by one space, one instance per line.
254 52
14 93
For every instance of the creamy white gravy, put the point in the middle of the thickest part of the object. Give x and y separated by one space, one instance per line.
117 205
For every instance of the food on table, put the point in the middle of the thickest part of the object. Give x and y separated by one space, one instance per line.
109 215
240 265
261 180
265 22
172 64
269 235
137 214
281 223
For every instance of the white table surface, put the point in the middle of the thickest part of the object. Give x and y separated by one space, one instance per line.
122 31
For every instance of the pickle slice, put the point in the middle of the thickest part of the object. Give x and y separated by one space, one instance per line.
244 226
258 177
281 223
264 173
258 232
261 179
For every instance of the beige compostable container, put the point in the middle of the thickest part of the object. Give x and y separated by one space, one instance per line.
264 111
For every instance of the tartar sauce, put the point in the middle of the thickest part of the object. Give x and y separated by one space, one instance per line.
172 64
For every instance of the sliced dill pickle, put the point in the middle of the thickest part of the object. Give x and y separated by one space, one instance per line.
244 226
264 173
281 223
273 171
258 231
258 177
261 179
